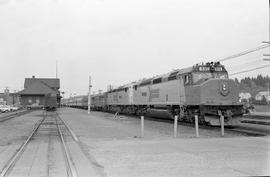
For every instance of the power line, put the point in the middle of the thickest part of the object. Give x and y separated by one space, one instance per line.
244 53
234 67
253 69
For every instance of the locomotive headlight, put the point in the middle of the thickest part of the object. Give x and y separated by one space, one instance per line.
224 89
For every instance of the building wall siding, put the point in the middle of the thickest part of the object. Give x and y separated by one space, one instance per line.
33 100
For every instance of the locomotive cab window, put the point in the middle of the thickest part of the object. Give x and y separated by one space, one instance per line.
197 76
220 75
203 76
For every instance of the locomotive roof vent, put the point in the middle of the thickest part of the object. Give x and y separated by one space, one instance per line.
213 63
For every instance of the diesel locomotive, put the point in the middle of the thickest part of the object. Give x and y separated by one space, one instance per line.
203 89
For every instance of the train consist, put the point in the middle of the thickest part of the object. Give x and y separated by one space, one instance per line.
203 89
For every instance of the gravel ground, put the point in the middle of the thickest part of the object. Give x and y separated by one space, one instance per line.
17 129
115 145
11 113
14 132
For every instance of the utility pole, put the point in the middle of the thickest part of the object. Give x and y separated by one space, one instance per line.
56 70
268 101
268 42
267 55
7 95
89 95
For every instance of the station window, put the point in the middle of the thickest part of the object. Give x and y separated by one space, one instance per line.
144 93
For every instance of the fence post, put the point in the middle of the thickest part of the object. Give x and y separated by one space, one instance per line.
175 126
197 126
115 115
142 126
222 124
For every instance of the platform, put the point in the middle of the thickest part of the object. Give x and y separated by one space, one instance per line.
115 146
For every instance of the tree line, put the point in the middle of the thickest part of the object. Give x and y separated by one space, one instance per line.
253 85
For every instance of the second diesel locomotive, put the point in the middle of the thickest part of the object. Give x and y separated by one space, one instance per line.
203 89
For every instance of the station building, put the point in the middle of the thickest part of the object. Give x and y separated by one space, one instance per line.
8 98
37 90
259 96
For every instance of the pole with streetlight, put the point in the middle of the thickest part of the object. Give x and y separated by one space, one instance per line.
89 95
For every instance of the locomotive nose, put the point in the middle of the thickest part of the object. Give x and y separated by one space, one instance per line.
220 92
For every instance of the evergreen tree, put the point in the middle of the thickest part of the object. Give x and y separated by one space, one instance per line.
253 85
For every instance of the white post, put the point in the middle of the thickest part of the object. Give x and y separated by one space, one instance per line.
197 126
115 115
222 125
142 126
175 126
89 95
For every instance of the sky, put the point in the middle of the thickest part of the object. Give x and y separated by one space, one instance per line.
119 41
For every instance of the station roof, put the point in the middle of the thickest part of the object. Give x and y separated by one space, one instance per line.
50 82
37 88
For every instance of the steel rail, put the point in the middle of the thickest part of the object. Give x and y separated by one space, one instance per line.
69 129
77 141
250 131
71 171
17 154
257 117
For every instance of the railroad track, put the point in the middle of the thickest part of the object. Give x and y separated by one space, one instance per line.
13 115
257 116
251 131
256 119
51 149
